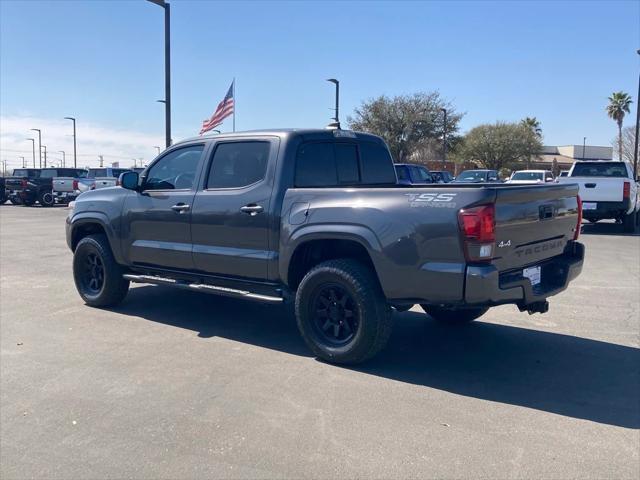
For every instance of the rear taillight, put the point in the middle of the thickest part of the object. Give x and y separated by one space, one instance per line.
75 185
576 234
23 183
626 191
478 228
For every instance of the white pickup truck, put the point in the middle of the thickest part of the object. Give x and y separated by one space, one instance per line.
608 190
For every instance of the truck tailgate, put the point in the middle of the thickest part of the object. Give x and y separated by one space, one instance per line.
533 223
598 189
63 184
104 182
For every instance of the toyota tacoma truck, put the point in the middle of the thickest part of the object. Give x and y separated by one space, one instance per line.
316 218
608 190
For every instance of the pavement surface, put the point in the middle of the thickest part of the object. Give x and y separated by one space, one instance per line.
176 384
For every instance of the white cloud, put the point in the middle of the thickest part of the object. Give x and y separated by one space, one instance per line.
92 140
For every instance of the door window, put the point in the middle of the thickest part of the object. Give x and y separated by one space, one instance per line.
238 164
176 170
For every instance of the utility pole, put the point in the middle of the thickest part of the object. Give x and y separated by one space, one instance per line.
101 160
39 144
23 164
635 147
33 145
4 168
64 158
584 146
45 155
75 160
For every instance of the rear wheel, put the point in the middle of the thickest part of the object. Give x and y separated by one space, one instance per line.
342 313
45 198
454 315
629 222
97 276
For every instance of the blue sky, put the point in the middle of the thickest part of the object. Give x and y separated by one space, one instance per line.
102 62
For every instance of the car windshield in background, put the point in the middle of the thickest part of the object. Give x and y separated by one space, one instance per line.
600 169
471 176
528 176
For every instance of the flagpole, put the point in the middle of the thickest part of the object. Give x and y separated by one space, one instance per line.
234 104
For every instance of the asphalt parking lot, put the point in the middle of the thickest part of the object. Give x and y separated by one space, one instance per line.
175 384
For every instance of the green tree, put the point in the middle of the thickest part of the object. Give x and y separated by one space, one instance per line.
410 124
500 145
619 105
533 124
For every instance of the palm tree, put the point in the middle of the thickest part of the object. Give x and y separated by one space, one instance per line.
619 105
533 124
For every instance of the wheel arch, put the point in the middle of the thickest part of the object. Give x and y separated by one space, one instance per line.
85 224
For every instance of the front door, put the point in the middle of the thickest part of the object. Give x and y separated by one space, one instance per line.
157 220
231 214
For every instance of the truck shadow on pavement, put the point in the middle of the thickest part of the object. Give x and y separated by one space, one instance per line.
561 374
607 228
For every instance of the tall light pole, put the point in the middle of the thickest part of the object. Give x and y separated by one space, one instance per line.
584 146
64 158
33 145
444 136
39 144
635 147
75 160
167 68
45 155
337 116
23 164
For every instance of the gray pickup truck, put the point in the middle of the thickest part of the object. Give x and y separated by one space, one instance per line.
316 217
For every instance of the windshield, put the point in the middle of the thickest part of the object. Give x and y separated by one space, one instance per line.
472 176
533 176
600 169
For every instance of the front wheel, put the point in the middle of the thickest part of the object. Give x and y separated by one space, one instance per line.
342 313
454 315
45 198
97 276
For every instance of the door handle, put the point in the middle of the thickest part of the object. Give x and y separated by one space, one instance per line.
252 209
180 207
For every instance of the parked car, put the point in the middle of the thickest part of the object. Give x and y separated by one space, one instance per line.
442 176
40 187
477 176
67 189
531 177
409 174
316 217
18 181
608 190
101 178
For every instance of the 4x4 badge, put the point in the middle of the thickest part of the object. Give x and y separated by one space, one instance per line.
504 244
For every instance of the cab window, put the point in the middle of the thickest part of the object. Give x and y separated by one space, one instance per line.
175 171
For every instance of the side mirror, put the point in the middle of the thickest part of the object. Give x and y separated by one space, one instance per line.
129 180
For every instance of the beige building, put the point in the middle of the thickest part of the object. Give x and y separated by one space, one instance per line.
565 155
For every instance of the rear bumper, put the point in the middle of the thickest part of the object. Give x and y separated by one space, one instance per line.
485 286
606 210
65 196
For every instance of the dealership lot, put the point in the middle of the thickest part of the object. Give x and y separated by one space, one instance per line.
175 384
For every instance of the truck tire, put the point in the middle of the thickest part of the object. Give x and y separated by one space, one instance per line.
45 198
342 313
629 223
454 315
97 276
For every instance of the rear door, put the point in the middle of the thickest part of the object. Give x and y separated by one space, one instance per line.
231 213
156 222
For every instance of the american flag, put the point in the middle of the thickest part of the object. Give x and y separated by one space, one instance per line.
225 108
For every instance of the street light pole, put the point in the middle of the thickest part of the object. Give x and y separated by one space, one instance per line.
584 146
337 109
23 164
45 155
167 68
444 137
75 160
635 147
64 158
33 145
39 145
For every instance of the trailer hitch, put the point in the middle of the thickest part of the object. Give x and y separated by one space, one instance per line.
535 307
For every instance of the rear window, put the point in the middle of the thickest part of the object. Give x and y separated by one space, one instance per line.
26 173
327 164
600 169
534 176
